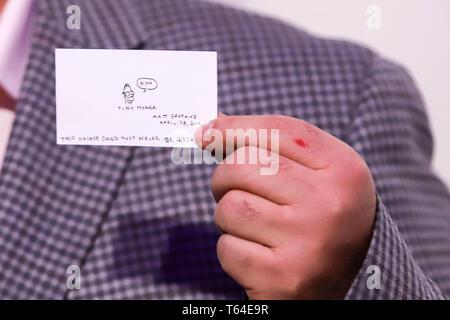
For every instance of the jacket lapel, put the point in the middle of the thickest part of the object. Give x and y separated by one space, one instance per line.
53 199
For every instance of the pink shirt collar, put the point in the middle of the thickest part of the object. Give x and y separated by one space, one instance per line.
16 24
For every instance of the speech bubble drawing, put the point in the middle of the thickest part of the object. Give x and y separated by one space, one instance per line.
147 84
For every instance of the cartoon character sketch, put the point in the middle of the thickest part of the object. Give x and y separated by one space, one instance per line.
147 84
128 94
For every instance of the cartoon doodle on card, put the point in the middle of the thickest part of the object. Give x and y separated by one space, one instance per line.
128 94
147 84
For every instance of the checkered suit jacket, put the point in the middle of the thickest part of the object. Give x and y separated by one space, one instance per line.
140 226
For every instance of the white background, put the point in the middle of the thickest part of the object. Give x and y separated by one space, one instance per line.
415 33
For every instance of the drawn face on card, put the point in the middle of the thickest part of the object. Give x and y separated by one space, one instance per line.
134 97
128 94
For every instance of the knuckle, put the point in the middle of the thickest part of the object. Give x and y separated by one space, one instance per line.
276 267
353 170
291 281
231 199
337 203
222 248
244 259
285 165
360 170
225 205
287 216
219 181
232 121
236 203
228 256
219 217
277 122
220 175
349 182
311 129
285 270
336 206
215 178
246 210
281 122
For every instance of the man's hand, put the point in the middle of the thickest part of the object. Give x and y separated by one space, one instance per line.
303 232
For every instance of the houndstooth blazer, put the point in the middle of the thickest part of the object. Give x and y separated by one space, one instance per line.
139 226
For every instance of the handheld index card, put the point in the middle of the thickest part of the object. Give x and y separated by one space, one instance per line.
134 97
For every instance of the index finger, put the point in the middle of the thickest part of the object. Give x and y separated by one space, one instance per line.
293 138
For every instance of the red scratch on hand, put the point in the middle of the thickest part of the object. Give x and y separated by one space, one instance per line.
301 143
